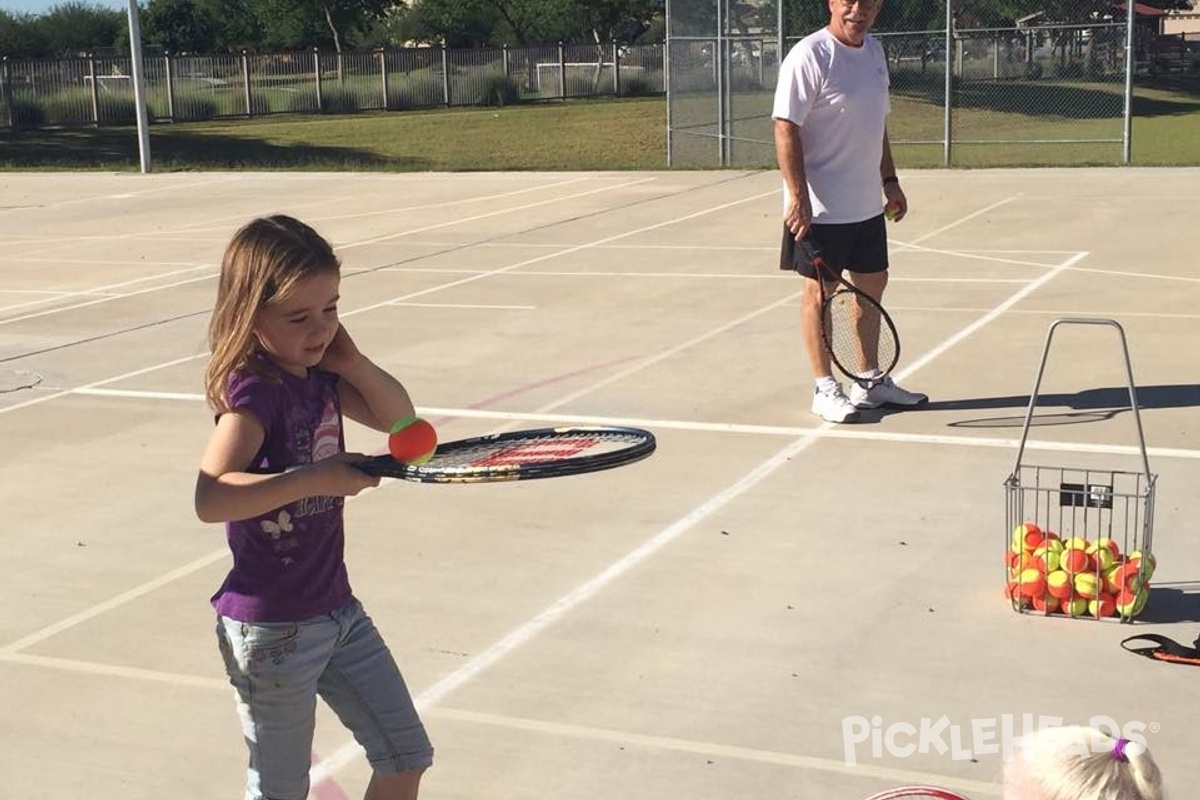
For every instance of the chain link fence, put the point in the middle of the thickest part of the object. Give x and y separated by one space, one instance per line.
99 91
1046 89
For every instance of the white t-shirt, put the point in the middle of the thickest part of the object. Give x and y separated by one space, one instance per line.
838 95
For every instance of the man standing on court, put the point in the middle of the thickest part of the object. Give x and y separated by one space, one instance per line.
831 107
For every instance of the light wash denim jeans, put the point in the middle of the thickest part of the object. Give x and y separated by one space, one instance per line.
279 668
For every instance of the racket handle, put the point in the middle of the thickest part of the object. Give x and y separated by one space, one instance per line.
812 253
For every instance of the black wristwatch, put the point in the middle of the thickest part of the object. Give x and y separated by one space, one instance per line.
890 179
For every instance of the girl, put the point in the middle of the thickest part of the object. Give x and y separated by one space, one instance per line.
282 373
1080 763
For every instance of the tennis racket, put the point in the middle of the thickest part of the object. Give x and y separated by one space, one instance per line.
927 792
857 332
521 455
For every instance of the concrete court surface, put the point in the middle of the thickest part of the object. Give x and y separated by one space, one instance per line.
743 615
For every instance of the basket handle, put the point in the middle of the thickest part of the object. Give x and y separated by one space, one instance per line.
1133 403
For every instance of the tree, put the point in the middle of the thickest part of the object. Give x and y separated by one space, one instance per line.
452 23
75 28
308 23
20 36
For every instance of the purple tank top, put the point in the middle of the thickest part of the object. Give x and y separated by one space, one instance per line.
288 564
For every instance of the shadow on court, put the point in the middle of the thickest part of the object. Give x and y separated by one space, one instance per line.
1172 603
118 146
1090 405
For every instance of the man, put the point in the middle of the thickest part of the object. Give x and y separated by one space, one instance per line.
831 106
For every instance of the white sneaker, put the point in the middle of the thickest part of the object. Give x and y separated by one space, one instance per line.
884 392
833 405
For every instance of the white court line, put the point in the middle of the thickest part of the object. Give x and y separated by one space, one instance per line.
348 246
113 670
1047 312
463 306
559 729
555 729
477 217
788 431
153 190
111 603
324 202
111 296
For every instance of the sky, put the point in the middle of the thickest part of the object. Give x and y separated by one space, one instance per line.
42 6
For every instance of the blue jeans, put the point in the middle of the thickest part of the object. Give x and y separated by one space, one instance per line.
279 668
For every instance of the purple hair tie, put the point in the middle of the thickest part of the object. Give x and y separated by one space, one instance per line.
1119 750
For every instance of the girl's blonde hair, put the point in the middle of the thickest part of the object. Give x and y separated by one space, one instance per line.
1076 762
262 264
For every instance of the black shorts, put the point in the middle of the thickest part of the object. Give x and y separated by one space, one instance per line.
855 246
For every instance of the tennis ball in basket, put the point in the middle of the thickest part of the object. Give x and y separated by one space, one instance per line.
1086 585
1076 543
412 440
1129 603
1026 536
1074 607
1031 583
1137 557
1047 604
1124 575
1046 558
1102 605
1074 560
1103 555
1058 584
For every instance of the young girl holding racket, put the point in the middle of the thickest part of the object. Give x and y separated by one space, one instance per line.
283 371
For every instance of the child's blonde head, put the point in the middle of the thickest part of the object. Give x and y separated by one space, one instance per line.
262 263
1075 762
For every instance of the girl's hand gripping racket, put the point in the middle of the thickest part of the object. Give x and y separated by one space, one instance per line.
857 332
521 455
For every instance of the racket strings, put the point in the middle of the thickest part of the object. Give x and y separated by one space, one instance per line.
533 450
859 336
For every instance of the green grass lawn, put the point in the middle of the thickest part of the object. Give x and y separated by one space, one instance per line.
579 135
630 134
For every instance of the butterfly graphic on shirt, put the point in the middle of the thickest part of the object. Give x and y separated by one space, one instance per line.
281 525
280 543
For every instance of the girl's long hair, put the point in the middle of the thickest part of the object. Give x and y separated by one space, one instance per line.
262 263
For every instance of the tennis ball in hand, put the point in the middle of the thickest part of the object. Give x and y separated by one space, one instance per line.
892 211
412 440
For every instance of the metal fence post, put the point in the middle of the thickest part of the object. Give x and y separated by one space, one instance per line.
616 58
169 73
246 82
1130 56
383 76
6 88
947 133
445 75
562 72
317 79
504 59
91 60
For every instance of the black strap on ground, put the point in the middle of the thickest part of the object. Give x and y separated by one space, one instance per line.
1164 649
